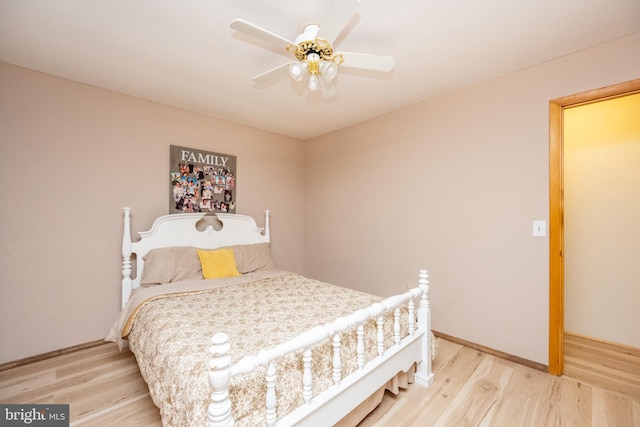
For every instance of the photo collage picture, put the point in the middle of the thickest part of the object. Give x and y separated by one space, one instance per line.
201 181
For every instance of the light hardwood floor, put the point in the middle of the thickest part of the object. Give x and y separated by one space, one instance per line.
471 388
594 361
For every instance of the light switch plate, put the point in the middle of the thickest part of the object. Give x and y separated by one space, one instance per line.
539 228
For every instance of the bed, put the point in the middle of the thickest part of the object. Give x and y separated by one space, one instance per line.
223 337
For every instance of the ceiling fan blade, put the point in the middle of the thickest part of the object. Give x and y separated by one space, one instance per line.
273 74
368 62
337 18
260 33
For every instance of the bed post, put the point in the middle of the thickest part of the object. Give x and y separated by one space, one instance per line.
423 375
267 234
126 257
219 411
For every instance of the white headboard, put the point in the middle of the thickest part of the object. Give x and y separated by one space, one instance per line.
180 230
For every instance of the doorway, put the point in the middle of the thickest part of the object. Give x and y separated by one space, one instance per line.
556 210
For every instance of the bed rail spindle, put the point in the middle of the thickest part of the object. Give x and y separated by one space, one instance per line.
380 335
337 360
412 317
271 400
307 379
219 411
396 326
360 346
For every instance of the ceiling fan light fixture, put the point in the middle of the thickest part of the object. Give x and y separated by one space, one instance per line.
329 70
296 70
314 83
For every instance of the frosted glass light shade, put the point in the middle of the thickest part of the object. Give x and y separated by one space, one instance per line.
330 71
296 71
313 82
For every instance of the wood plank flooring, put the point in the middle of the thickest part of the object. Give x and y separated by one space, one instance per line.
472 388
104 388
102 385
614 366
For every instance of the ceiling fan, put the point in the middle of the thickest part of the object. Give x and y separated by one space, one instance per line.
315 60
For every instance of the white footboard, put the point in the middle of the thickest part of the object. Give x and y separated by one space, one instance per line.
333 404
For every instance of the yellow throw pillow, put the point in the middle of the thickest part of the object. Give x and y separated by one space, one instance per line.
218 263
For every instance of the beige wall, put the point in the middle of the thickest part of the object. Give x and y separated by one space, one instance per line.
453 185
75 155
602 227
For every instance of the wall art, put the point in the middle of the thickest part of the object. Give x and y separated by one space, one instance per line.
201 181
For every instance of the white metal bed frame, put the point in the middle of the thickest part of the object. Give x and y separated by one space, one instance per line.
330 406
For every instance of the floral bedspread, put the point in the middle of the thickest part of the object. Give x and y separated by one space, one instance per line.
170 335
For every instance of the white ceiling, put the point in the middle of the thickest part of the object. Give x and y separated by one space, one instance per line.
184 53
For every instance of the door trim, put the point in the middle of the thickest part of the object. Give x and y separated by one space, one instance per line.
556 209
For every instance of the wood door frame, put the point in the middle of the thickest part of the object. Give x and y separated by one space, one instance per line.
556 209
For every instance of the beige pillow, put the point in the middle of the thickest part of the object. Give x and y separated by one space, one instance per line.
167 265
250 258
171 264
